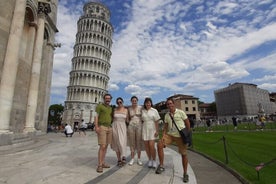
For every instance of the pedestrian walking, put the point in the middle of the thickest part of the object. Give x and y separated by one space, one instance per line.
235 123
83 128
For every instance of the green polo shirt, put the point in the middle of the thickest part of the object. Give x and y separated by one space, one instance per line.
104 113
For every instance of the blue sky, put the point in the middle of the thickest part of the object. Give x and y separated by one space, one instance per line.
166 47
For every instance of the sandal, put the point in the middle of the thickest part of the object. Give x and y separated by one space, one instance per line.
100 169
120 164
124 160
105 165
159 169
185 178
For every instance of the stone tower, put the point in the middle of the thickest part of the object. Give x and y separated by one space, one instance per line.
90 64
27 32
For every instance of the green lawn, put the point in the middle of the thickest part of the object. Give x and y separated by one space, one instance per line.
245 148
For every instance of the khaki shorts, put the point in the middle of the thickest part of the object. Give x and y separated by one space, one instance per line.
105 135
168 139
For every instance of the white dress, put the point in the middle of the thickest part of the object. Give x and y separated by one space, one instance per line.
149 117
119 132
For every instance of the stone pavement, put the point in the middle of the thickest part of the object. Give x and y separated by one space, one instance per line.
53 158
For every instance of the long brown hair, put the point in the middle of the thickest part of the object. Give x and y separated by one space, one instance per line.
147 100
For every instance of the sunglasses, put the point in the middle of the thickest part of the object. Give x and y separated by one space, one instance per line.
119 102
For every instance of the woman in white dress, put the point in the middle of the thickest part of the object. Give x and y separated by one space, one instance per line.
150 118
119 131
134 130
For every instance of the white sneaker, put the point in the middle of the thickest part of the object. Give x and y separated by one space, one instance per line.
150 164
139 162
131 162
154 164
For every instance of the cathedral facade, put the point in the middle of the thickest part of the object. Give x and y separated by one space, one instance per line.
90 64
27 32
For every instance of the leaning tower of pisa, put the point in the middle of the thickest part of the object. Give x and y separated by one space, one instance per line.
90 64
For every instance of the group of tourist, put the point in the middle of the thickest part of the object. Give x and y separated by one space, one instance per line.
138 128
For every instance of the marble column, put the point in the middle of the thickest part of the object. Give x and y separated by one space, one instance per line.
10 66
81 114
90 116
50 51
43 10
72 116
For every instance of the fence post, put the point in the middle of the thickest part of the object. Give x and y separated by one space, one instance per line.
225 150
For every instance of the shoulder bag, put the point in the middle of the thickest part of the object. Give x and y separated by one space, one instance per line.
184 133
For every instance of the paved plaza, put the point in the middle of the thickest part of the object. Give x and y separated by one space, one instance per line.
53 158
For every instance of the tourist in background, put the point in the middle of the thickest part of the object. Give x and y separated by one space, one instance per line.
235 123
150 118
76 126
208 123
103 120
68 130
83 128
119 131
134 130
262 120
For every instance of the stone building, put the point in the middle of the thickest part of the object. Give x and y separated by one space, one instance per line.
90 64
187 103
27 31
207 111
243 100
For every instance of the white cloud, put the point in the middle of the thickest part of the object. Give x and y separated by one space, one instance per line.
271 87
113 87
66 24
266 78
175 46
267 64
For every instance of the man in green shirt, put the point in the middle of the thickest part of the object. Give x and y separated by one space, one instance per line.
102 121
171 134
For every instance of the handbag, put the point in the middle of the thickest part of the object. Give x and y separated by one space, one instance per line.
184 133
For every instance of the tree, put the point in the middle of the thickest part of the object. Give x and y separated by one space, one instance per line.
213 107
55 114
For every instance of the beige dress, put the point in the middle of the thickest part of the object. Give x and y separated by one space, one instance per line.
119 132
134 130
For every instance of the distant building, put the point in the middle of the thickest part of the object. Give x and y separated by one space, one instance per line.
187 103
207 111
242 99
272 97
90 64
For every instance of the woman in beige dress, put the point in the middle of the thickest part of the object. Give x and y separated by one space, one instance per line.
119 131
134 130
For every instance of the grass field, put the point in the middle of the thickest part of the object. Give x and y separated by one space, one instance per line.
245 148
